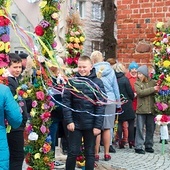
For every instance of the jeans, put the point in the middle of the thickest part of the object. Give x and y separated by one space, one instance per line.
75 139
53 132
16 149
148 120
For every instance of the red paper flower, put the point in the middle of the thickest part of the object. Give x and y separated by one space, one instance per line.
30 168
39 30
164 118
165 88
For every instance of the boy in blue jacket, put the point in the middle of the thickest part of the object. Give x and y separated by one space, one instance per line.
81 122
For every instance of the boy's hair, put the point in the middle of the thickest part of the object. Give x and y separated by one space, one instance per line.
96 56
85 58
14 58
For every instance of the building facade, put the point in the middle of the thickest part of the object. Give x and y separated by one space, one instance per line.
91 12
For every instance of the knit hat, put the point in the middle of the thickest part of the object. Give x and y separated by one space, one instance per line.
143 69
133 65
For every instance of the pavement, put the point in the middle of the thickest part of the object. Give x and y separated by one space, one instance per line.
127 159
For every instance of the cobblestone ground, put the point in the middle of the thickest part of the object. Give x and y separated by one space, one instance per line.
127 159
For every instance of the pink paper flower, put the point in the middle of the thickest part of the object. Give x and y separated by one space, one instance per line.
43 129
40 95
34 103
51 104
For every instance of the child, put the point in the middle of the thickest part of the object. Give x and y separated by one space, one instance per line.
79 95
16 136
145 89
132 76
128 112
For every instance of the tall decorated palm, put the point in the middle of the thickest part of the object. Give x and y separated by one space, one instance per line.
38 148
162 67
75 38
4 38
161 61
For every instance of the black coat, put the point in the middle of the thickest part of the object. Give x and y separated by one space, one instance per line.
83 120
13 85
126 90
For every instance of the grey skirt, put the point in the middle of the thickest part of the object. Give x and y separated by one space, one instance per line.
109 120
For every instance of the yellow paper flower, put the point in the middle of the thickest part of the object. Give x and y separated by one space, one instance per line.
2 70
55 15
15 97
82 39
42 4
7 47
32 113
166 63
2 45
42 106
2 12
37 156
76 40
29 91
25 95
71 39
159 25
167 78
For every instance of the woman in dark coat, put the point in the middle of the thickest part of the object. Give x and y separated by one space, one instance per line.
128 112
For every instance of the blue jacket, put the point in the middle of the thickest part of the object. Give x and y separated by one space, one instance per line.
9 109
109 80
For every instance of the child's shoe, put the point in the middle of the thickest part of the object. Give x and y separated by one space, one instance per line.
96 157
107 157
131 144
121 145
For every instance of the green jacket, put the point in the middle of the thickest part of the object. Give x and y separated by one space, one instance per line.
145 96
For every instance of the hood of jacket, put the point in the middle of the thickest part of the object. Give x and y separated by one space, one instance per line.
119 74
104 67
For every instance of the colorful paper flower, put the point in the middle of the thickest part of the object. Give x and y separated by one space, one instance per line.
39 30
34 103
33 136
162 119
40 95
37 156
46 148
42 4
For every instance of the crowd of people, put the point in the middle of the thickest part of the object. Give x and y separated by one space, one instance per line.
108 91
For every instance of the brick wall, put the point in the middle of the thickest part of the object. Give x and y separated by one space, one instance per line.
136 20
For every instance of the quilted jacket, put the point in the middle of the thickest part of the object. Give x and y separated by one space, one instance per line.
83 108
9 110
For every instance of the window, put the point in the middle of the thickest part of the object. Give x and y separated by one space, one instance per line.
96 45
14 16
97 12
81 8
18 51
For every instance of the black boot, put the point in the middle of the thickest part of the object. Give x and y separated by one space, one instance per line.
121 145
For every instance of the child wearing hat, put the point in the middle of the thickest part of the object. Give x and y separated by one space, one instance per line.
132 76
145 89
